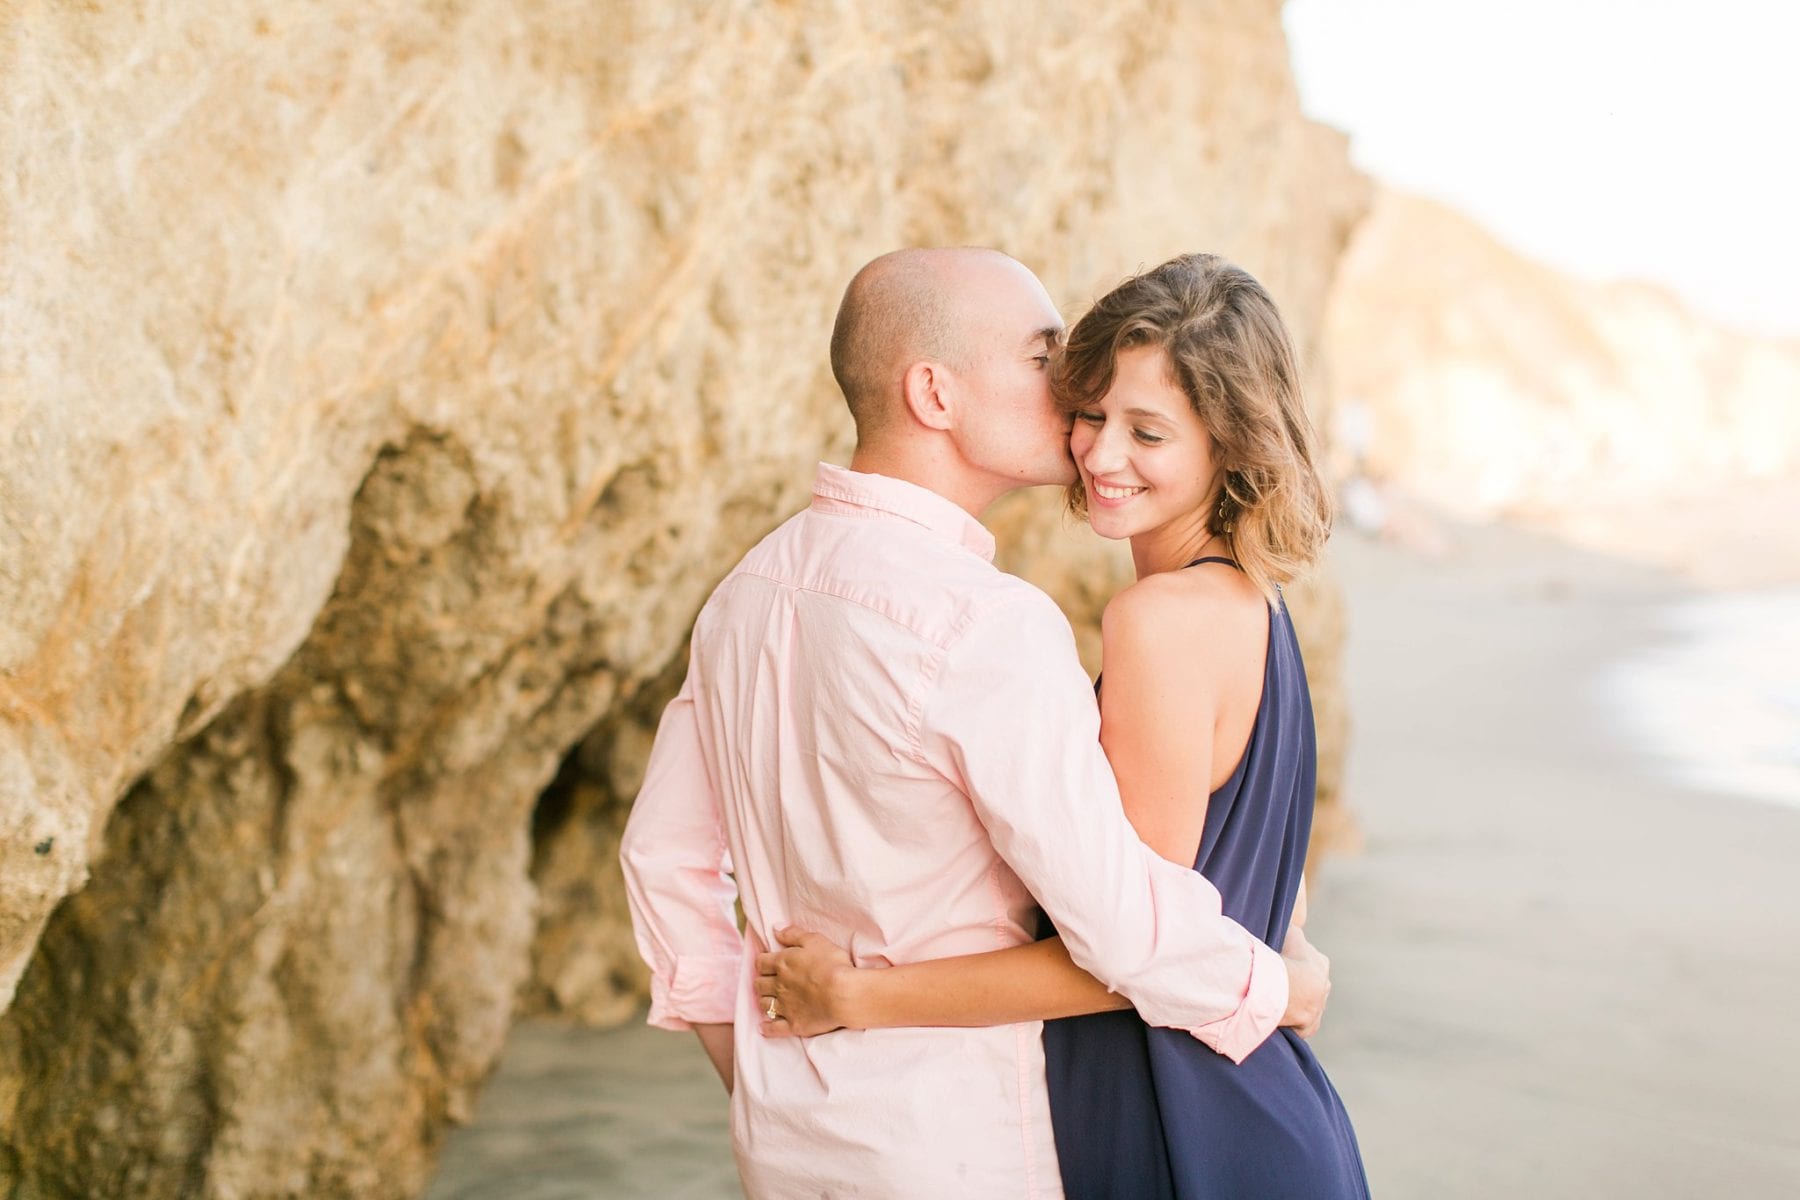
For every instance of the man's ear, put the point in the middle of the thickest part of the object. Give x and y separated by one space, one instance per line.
926 389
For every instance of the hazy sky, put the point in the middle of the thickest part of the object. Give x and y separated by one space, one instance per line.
1654 139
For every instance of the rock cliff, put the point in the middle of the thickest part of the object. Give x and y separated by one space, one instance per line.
383 388
1497 385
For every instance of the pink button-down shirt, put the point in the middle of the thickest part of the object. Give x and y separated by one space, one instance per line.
888 740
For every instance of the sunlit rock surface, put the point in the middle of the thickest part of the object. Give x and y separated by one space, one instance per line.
1491 384
382 390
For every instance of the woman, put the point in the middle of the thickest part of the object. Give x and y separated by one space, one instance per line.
1192 441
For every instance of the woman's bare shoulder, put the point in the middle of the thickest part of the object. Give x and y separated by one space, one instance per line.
1205 602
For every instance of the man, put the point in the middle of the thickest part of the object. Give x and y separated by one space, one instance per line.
889 741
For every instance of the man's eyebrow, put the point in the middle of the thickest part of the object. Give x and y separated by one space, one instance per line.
1050 335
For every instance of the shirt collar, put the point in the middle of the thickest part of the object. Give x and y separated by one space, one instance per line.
837 486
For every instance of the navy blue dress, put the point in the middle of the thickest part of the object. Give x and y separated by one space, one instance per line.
1142 1113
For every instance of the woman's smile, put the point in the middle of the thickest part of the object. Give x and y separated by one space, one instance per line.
1113 495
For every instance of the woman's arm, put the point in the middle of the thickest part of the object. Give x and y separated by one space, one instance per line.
1184 664
817 988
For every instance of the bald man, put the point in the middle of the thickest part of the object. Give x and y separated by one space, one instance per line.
883 738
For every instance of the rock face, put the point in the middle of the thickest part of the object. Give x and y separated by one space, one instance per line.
383 389
1494 384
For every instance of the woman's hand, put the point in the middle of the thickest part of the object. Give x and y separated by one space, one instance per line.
811 980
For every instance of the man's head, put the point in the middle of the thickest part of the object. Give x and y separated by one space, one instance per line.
945 352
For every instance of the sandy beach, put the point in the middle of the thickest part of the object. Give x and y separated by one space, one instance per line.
1559 970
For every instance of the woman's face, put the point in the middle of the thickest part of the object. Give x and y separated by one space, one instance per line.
1146 461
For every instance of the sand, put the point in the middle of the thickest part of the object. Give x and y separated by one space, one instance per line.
579 1114
1556 973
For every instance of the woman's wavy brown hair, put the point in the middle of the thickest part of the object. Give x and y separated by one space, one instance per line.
1229 352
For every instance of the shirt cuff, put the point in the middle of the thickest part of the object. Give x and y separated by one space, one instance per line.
702 991
1259 1012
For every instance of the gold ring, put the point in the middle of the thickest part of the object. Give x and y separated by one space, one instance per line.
771 1009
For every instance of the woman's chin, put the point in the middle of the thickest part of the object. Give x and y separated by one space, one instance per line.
1112 531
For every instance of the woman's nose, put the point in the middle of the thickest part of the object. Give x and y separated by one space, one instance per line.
1103 453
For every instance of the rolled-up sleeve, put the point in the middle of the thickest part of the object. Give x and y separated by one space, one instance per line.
1012 720
678 880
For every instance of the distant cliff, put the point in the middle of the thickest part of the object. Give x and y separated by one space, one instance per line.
1495 384
383 387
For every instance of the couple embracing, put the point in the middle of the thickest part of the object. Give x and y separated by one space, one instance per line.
1000 940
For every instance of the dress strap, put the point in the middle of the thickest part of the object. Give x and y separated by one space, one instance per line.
1228 562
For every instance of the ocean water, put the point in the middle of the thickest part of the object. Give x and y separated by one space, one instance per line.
1716 699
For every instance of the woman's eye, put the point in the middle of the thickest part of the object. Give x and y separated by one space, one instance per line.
1149 439
1090 418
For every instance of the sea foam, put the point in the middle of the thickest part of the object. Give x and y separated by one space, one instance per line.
1716 699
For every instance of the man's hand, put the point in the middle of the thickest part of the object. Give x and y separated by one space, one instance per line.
1309 983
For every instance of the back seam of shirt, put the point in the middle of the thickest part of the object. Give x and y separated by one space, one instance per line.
915 710
942 645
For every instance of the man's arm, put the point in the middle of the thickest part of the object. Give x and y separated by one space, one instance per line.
680 890
1012 719
716 1041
